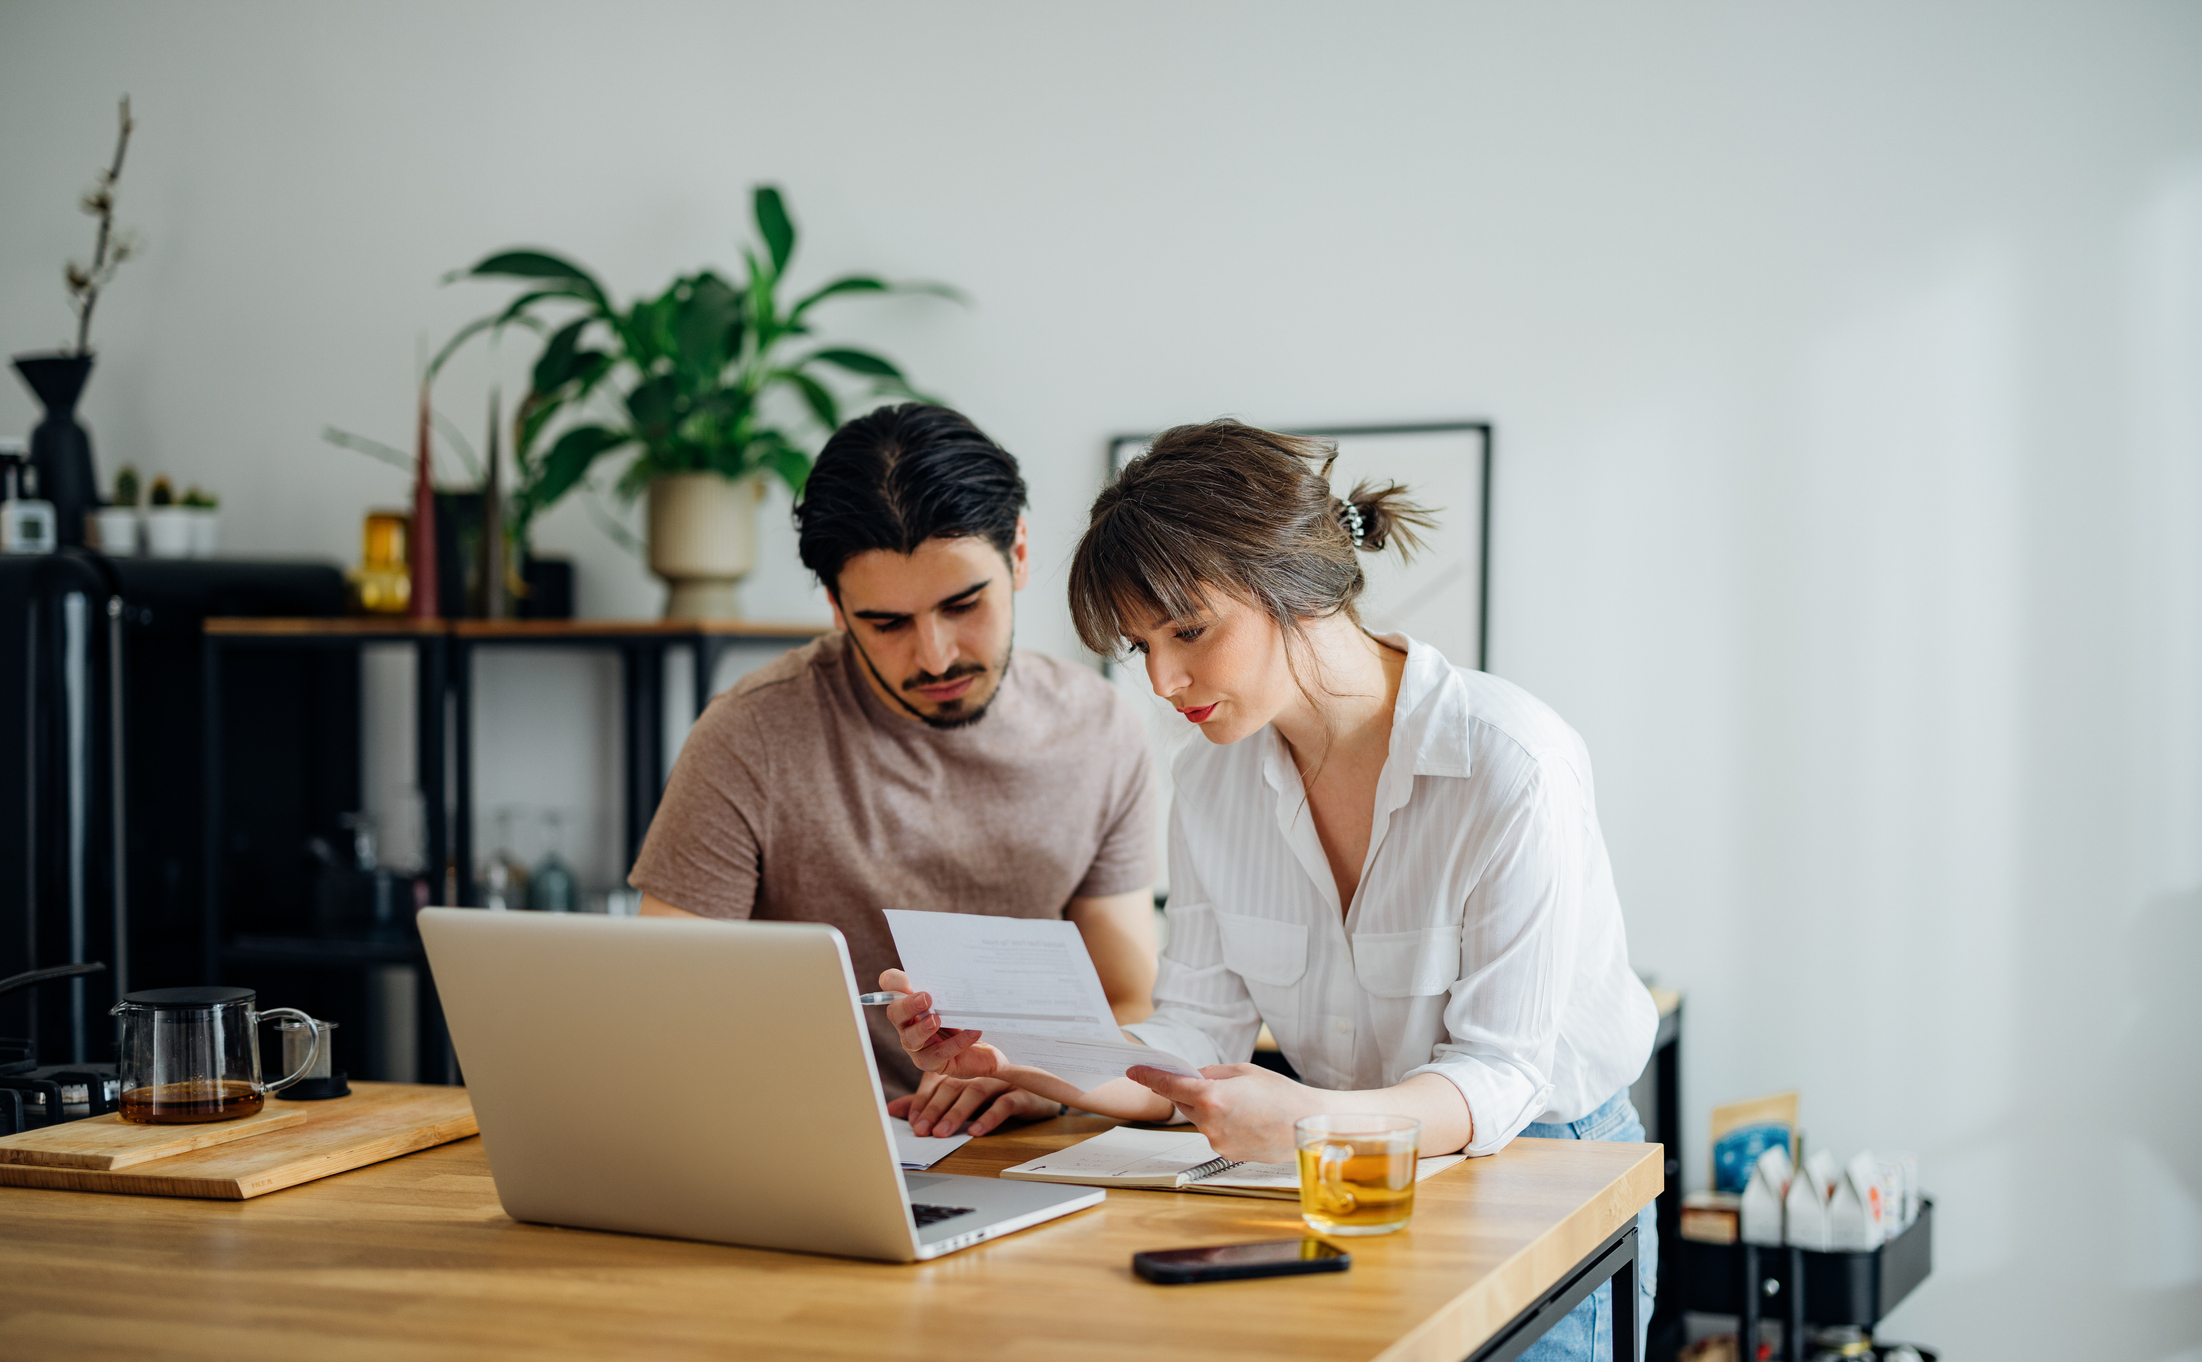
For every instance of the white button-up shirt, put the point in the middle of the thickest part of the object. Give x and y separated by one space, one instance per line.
1485 939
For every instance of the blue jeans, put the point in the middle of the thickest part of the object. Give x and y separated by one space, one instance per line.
1586 1334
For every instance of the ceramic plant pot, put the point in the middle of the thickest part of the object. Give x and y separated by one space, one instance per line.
703 541
168 531
206 531
116 529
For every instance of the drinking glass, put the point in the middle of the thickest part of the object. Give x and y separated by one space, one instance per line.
1357 1173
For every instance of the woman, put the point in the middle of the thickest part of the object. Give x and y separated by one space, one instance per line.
1392 861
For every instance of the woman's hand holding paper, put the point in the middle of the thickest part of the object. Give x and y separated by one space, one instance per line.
1246 1111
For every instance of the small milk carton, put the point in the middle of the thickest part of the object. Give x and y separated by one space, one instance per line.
1804 1211
1762 1197
1854 1212
1900 1174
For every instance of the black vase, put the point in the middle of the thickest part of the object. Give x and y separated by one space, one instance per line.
61 451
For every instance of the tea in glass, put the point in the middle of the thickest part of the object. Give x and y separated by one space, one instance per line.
1357 1173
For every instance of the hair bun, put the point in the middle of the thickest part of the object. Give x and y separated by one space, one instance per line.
1385 515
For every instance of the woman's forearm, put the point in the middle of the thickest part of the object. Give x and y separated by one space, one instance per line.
1119 1099
1447 1125
1124 1100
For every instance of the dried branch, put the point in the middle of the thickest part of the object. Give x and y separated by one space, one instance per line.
109 250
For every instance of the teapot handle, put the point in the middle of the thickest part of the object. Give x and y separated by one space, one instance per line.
311 1056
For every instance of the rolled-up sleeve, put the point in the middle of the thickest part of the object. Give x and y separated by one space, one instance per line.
1502 1018
1202 1014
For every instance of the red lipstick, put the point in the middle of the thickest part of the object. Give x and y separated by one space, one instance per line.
1199 715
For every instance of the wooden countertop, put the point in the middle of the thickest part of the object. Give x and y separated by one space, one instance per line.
414 1258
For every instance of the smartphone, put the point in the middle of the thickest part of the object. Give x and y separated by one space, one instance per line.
1229 1262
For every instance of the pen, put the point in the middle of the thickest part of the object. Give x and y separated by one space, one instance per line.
878 999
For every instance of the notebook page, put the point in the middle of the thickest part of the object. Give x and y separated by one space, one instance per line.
1126 1153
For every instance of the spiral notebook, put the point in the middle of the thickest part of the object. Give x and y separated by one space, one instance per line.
1175 1160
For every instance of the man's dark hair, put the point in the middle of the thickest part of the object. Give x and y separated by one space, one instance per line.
898 476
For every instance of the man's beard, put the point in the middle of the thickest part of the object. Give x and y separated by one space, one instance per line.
950 719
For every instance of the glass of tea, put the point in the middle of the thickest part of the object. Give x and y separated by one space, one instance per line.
193 1054
1356 1172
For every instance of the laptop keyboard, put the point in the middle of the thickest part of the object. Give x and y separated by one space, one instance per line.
933 1215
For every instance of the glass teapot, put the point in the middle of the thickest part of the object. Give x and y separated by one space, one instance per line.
193 1054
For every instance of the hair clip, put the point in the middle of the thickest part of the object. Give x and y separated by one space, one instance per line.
1351 514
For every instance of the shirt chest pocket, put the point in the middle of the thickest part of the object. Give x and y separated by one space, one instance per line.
1407 964
1263 949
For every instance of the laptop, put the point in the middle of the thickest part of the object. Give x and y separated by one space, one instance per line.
695 1080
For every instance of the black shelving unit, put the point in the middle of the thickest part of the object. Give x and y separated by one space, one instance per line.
1804 1287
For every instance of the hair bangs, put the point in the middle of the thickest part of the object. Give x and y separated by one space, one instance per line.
1131 571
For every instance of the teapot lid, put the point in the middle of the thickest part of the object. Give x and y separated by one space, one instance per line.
210 995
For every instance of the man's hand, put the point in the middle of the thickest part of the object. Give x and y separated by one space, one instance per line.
932 1047
1246 1111
941 1106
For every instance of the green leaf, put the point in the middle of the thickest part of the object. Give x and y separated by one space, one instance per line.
820 400
707 319
520 305
792 464
764 318
538 411
651 404
774 226
857 362
568 461
376 449
848 283
514 314
557 363
648 330
459 338
537 265
937 290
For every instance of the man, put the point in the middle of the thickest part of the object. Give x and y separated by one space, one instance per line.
914 760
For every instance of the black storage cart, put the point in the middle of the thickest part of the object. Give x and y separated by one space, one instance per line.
1802 1286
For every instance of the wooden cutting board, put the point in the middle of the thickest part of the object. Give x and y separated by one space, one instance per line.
378 1121
110 1142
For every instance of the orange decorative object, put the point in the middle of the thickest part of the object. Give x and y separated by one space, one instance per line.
382 584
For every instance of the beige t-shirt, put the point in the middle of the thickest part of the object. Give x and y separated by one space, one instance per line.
800 796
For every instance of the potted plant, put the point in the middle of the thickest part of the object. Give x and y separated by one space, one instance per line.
117 521
686 381
167 524
205 522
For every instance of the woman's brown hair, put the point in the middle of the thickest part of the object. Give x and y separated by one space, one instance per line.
1226 506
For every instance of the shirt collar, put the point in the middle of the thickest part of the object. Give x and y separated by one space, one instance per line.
1431 719
1429 728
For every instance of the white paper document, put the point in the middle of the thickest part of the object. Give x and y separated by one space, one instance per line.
923 1151
1028 985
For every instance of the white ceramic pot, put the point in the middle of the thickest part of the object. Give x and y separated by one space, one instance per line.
703 541
115 530
206 527
168 531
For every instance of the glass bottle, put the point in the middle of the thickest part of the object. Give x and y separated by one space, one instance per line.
552 889
505 876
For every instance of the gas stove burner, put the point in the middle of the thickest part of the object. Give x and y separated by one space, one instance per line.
16 1056
27 1098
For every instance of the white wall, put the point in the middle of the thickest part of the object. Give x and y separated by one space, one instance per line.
1845 360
